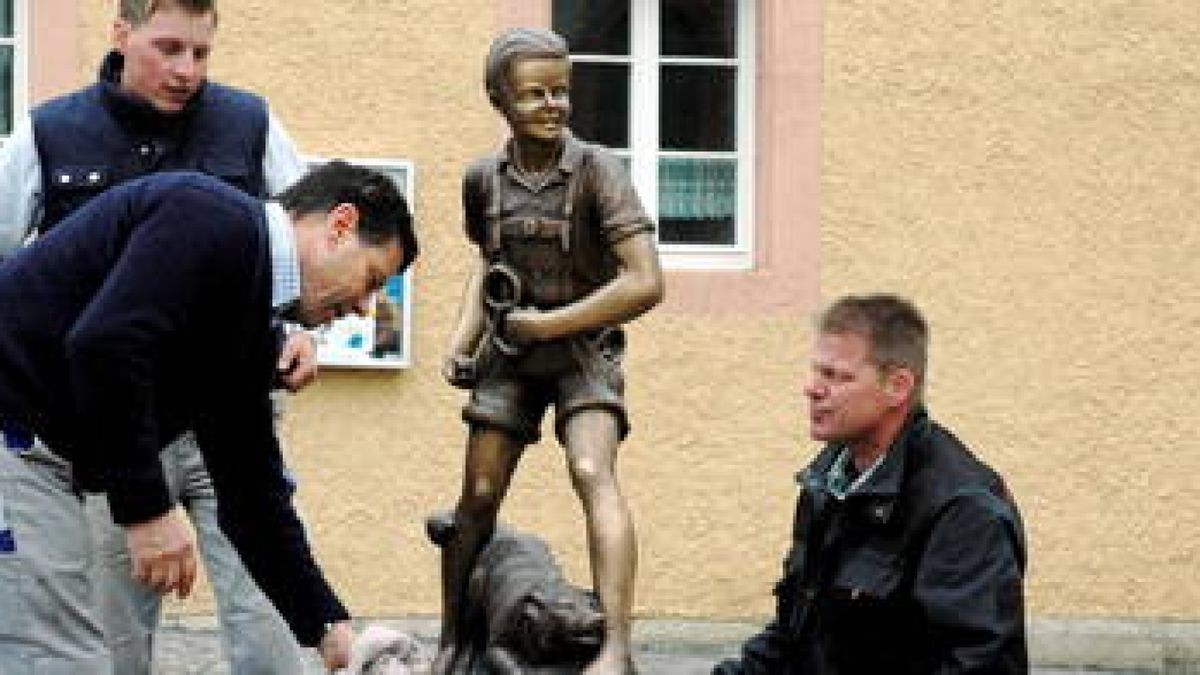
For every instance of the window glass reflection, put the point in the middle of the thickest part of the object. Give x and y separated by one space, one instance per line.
698 108
6 18
593 26
699 28
600 103
6 90
697 200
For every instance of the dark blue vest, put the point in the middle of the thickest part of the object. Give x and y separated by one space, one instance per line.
98 137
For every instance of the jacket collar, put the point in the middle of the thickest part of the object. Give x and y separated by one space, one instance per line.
879 491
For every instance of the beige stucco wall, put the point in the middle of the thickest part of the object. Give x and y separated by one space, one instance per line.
1028 170
1023 169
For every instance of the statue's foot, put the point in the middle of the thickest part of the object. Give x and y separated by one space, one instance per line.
614 662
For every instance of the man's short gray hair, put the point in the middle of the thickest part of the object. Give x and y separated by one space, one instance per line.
518 43
897 333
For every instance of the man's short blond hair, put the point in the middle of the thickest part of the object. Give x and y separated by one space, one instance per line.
138 12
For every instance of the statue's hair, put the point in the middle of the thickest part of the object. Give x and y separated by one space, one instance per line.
138 12
894 328
518 43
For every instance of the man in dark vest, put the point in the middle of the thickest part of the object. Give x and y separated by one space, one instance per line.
149 311
566 255
908 553
152 110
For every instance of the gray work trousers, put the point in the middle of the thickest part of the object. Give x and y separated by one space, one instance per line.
48 624
255 639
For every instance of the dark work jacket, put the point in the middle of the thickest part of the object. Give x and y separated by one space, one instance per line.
92 139
144 313
919 570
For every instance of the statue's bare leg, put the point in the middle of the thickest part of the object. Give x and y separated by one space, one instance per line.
591 437
492 456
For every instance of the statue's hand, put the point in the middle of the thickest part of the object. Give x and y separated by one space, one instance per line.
459 370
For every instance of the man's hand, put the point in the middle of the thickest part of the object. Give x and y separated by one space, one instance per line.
298 360
163 553
336 645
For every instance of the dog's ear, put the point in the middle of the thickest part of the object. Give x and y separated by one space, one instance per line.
532 608
440 527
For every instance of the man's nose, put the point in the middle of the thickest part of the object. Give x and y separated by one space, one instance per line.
186 65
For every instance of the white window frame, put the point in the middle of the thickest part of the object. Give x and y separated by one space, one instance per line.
360 358
20 44
645 60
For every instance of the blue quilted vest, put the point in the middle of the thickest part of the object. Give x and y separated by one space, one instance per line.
98 137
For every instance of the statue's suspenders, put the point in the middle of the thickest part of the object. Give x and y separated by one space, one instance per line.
542 227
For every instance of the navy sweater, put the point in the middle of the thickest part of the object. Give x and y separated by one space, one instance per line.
145 313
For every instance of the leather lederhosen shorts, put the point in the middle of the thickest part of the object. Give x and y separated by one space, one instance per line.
574 374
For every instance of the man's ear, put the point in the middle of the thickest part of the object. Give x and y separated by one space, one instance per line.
342 221
119 36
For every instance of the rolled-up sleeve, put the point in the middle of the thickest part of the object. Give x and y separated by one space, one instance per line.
621 211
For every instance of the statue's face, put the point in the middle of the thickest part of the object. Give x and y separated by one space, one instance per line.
537 101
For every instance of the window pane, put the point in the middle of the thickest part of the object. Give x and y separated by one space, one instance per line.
593 26
697 200
6 90
699 28
6 18
697 108
600 103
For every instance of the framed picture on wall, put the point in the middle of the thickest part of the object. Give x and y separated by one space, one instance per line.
383 338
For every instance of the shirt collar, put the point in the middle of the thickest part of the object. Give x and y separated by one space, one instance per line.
568 161
839 481
883 479
285 265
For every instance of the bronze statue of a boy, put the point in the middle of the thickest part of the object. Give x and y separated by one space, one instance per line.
567 255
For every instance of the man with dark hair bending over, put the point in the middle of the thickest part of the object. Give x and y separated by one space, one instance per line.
153 109
148 311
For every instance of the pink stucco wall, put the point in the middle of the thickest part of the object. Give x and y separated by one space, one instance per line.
55 44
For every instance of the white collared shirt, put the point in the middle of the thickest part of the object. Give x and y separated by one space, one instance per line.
285 265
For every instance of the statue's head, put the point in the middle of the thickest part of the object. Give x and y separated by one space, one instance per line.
528 80
513 45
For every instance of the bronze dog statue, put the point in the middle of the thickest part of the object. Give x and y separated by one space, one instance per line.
520 616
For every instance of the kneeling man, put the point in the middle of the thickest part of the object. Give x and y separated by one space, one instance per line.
908 552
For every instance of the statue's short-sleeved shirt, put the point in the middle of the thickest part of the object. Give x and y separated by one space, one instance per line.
557 229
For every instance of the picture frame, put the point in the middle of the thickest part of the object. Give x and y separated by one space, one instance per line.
383 338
